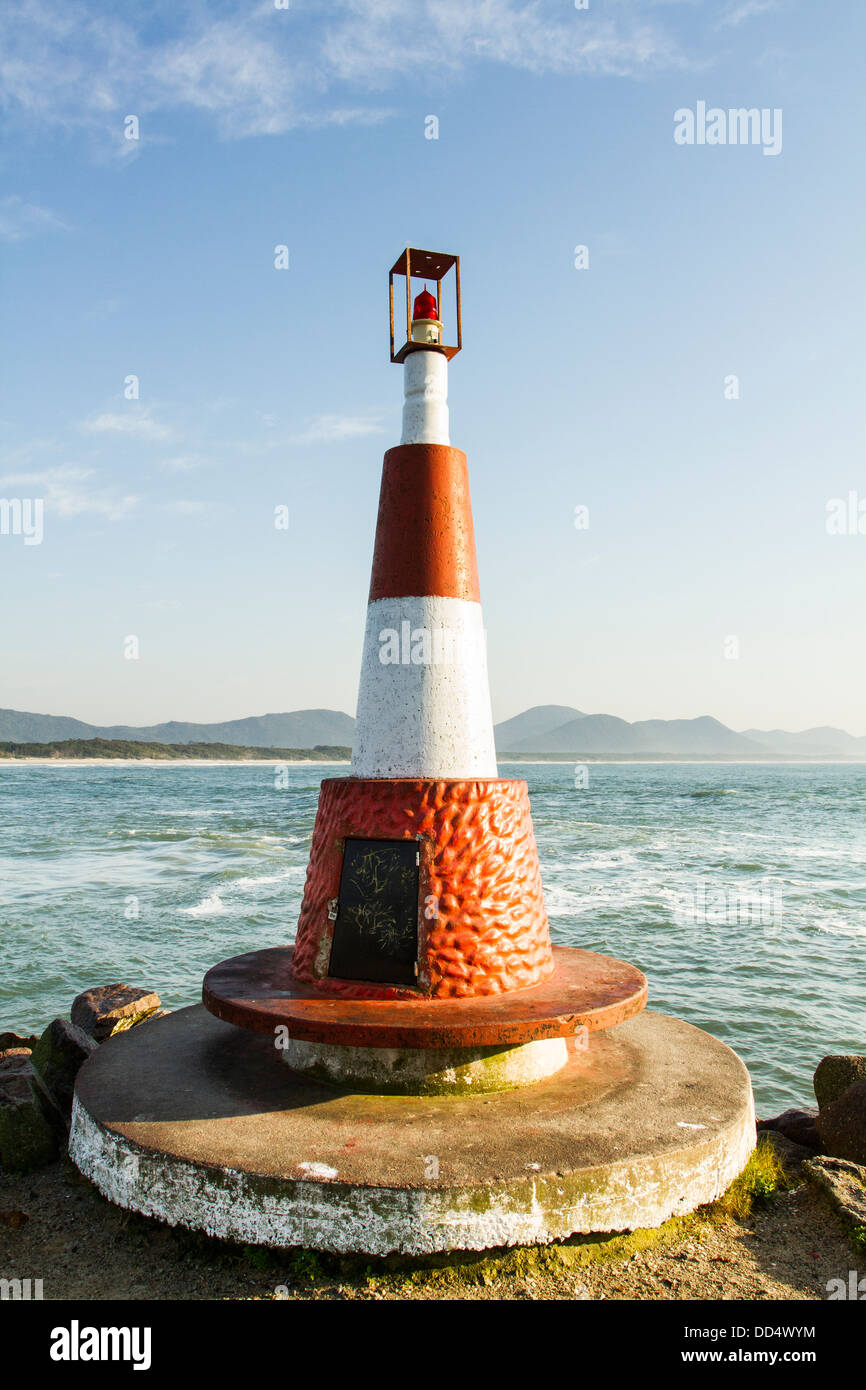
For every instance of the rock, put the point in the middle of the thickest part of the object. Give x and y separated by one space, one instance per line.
160 1013
27 1138
796 1125
14 1219
833 1076
110 1009
10 1040
57 1058
842 1124
791 1153
844 1183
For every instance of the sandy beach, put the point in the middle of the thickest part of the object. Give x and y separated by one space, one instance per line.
58 1228
167 762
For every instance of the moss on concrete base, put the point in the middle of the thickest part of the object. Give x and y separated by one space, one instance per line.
422 1071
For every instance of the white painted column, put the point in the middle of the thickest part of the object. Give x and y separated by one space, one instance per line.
425 391
424 697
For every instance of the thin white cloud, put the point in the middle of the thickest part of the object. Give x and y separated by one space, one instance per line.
234 72
20 219
378 39
186 506
68 492
321 429
741 10
135 422
256 70
184 463
335 429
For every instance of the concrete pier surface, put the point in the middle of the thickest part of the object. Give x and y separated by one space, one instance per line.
197 1122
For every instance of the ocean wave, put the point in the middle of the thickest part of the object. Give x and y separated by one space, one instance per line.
260 880
745 866
835 926
604 859
821 852
211 906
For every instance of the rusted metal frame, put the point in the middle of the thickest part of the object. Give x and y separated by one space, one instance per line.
391 310
459 314
408 297
440 268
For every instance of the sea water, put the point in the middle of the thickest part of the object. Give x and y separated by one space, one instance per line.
740 889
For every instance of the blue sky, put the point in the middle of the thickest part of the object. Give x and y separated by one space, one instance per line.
602 387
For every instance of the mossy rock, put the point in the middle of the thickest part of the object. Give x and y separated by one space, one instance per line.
57 1057
27 1137
834 1075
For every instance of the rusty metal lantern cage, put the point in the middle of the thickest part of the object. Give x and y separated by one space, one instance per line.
416 264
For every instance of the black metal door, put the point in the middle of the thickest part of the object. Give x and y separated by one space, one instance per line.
376 932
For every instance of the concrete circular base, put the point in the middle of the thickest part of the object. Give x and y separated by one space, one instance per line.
428 1071
200 1123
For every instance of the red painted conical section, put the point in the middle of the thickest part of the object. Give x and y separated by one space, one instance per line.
425 540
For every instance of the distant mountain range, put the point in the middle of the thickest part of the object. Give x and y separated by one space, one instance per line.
550 729
560 729
305 728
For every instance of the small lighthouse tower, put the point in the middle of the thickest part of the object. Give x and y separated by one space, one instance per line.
424 700
424 784
453 1079
423 888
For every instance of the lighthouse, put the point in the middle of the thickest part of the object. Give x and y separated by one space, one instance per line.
424 783
421 1068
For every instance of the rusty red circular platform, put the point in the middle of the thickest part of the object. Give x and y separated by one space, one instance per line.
257 991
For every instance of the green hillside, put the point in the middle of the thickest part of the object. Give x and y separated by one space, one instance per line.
168 752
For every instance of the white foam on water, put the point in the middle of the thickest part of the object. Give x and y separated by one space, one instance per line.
294 871
819 852
604 859
211 906
835 926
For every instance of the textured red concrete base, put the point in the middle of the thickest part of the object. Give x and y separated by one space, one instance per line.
482 925
258 991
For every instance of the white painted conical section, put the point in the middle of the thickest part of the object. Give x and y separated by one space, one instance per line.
425 408
424 697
